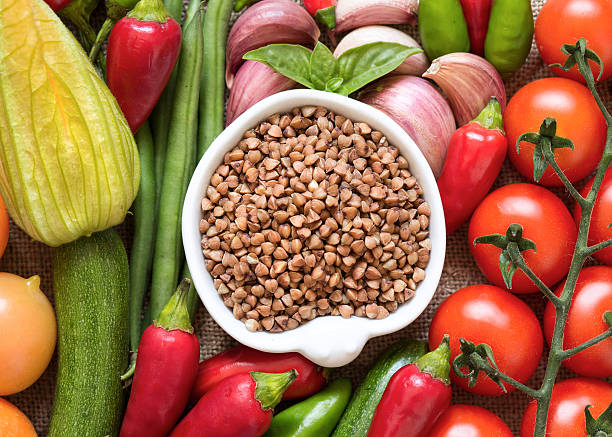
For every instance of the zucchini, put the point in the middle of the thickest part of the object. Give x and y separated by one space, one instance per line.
357 417
90 279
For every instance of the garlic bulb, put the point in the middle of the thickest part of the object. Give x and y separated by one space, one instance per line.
351 14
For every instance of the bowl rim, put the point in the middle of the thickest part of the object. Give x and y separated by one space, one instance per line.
330 341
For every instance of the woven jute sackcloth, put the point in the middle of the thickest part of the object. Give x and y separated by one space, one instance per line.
26 257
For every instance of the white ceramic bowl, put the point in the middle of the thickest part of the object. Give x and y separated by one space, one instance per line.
329 341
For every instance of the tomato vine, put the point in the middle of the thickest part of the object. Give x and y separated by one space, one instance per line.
480 358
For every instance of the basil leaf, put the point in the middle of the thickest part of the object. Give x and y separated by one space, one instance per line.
364 64
323 66
292 61
332 85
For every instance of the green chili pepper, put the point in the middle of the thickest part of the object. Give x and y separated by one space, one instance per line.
442 27
317 416
509 37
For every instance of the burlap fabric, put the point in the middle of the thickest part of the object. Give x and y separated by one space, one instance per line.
25 257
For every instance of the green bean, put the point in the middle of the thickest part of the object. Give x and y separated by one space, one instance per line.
241 4
163 111
141 257
212 103
182 131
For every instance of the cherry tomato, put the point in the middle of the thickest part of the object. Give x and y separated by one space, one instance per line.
13 423
28 327
488 314
469 421
578 118
592 298
566 414
601 217
545 220
4 227
564 22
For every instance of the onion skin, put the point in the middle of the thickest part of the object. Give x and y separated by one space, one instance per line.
469 82
414 65
268 22
254 81
419 109
351 14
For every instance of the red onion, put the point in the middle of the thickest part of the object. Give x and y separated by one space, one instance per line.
469 82
268 22
420 109
351 14
415 64
254 81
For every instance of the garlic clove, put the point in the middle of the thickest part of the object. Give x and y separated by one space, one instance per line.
253 82
420 109
268 22
415 65
469 82
351 14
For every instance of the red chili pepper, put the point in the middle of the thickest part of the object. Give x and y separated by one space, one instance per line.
240 359
323 10
473 161
142 50
415 397
57 5
476 13
239 406
166 368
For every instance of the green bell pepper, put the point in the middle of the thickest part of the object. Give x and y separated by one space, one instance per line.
509 37
316 416
442 27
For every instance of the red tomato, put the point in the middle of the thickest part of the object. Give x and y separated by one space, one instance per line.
57 5
578 118
592 298
566 413
469 421
488 314
545 220
601 218
564 22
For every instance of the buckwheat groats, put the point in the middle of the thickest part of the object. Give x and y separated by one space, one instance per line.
312 214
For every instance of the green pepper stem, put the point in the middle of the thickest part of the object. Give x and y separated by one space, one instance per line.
101 38
269 387
175 314
491 117
150 10
436 362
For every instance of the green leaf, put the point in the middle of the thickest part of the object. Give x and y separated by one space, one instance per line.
322 66
526 244
292 61
364 64
334 84
495 239
602 426
608 318
327 16
530 137
507 268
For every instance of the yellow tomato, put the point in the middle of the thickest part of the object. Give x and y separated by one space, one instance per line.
28 327
13 423
4 227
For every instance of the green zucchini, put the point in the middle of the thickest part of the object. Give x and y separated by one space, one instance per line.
90 279
357 417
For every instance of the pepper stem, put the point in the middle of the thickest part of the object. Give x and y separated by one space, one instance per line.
327 16
437 362
175 314
491 117
269 387
150 10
